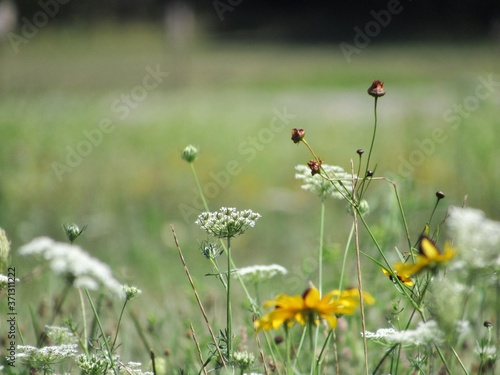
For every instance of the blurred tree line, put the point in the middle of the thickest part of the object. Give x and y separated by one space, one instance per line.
291 19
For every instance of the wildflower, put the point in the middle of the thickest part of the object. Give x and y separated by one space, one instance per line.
71 261
210 250
72 231
308 308
243 360
321 185
477 238
93 365
189 154
315 166
131 292
256 274
402 277
44 358
376 89
298 135
425 333
353 293
4 250
429 257
227 222
60 335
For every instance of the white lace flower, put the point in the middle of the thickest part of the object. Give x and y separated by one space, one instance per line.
227 222
323 187
476 237
46 356
257 274
71 260
60 335
425 333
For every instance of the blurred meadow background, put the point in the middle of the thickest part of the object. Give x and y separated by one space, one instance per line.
234 90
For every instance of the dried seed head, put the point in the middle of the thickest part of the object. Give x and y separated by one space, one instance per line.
298 135
315 166
376 89
440 195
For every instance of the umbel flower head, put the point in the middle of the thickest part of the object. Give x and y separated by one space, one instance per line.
307 308
429 257
257 274
227 222
75 264
320 185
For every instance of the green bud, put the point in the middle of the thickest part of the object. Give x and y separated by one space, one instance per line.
190 153
73 231
4 251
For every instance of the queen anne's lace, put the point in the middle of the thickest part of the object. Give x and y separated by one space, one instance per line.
340 181
227 222
71 260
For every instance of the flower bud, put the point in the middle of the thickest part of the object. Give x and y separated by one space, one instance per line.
376 89
315 166
190 153
440 195
298 135
369 173
360 151
73 231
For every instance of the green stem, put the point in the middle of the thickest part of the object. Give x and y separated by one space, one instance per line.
83 344
344 261
106 343
118 325
362 186
228 303
321 239
205 204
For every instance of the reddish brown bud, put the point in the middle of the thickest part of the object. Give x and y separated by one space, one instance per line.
298 135
376 89
315 166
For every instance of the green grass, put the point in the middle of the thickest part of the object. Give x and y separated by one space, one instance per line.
217 95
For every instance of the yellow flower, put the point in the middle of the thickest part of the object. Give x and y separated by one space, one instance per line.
429 257
308 308
403 277
353 293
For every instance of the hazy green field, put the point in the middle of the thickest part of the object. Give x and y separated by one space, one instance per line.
130 184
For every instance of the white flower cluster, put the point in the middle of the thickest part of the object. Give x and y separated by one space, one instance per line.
424 334
227 222
60 335
243 359
476 237
46 356
257 274
325 188
65 259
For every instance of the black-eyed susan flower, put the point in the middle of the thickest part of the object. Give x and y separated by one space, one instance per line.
429 257
353 293
308 308
403 278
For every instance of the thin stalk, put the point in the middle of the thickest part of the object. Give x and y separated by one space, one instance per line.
198 300
82 344
362 186
119 323
106 343
321 239
360 288
200 191
344 261
228 303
